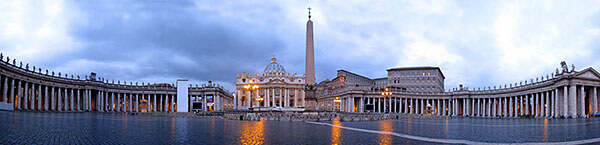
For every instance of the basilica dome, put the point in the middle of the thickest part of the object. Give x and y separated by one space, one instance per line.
274 68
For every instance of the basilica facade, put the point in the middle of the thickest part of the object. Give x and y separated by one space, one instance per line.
275 89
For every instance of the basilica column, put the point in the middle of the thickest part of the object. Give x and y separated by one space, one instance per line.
287 97
281 97
273 96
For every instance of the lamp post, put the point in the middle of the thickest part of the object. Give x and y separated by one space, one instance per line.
337 100
386 93
251 87
260 100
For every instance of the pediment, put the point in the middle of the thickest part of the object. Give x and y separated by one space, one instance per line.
588 73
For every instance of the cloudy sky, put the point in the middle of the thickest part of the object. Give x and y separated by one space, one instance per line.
476 43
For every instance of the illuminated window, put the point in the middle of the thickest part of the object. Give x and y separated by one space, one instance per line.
428 74
423 74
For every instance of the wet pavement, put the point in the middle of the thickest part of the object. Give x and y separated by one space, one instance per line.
120 128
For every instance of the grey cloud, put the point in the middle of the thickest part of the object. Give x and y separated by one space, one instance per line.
151 35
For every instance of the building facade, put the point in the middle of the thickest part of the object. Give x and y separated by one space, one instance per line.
277 90
416 79
569 94
25 88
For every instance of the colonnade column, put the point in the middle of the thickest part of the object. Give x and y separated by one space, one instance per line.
12 91
594 99
137 103
565 104
536 105
546 105
573 101
26 96
71 101
443 107
46 107
39 97
172 102
153 102
4 97
581 104
19 96
556 103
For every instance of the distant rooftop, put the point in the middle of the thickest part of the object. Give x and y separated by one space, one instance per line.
417 68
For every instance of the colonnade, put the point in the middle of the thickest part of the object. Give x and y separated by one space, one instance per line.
130 101
568 100
38 95
27 94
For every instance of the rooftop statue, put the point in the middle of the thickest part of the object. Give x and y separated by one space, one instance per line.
563 64
572 67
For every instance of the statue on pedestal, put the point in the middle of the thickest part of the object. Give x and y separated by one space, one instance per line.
563 64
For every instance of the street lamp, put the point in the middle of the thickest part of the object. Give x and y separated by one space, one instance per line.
251 87
337 100
386 93
260 100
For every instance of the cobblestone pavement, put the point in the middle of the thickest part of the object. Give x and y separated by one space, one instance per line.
120 128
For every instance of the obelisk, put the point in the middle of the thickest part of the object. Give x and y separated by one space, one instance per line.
310 53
